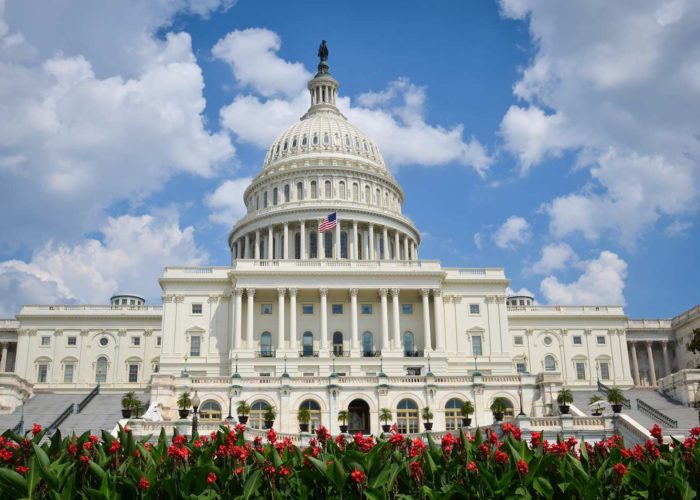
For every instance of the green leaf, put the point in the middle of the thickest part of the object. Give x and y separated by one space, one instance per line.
14 481
543 486
252 484
40 455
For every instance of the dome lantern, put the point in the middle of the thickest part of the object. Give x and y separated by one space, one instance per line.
323 87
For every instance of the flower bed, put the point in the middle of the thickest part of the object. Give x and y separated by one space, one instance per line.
223 464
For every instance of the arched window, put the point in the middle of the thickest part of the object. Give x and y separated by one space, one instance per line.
307 344
328 244
367 344
378 197
407 416
304 141
337 344
297 246
313 245
386 199
408 344
453 414
257 202
314 194
101 370
368 195
210 410
314 140
266 345
315 411
343 245
256 418
358 251
341 190
381 248
550 363
300 191
326 139
328 190
355 191
286 193
274 196
265 199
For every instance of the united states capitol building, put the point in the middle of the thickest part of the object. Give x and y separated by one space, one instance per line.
348 319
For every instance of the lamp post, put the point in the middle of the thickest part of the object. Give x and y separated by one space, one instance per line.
231 393
476 368
520 395
697 400
195 406
525 361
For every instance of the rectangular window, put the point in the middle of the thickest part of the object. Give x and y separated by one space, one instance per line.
135 341
337 308
196 308
518 340
406 308
266 308
264 374
159 340
366 308
307 309
133 373
43 370
413 370
195 343
600 339
578 340
72 340
473 308
520 367
68 374
604 371
476 345
308 374
581 371
45 340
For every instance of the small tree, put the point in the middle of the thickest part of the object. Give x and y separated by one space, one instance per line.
270 414
427 414
498 405
565 397
343 416
184 401
385 415
243 408
615 396
304 416
467 408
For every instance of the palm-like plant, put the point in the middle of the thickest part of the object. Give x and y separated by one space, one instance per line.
343 416
243 408
385 415
304 416
184 401
467 408
427 414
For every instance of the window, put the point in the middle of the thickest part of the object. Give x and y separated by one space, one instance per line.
337 344
413 371
300 189
600 339
274 196
135 341
266 345
314 194
196 308
257 414
578 340
366 308
72 340
307 344
313 245
407 416
580 370
520 367
341 190
68 374
328 244
133 372
315 412
604 370
195 345
265 308
328 189
337 308
547 340
476 345
550 364
210 410
101 370
368 195
453 414
159 340
406 308
297 246
408 343
307 309
367 344
355 191
286 192
43 371
343 245
518 340
45 340
473 308
265 199
104 341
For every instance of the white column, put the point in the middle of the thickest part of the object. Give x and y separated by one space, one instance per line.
370 255
365 244
385 319
415 251
652 367
635 364
667 361
257 245
439 321
269 249
405 247
250 292
324 318
397 250
285 243
425 292
302 241
353 318
337 240
385 238
238 325
280 318
246 248
293 340
396 317
3 360
353 254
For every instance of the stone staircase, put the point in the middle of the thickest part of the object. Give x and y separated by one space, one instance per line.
102 413
42 409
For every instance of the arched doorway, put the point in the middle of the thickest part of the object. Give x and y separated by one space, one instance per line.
359 417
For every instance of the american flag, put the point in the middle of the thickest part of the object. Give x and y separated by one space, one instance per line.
328 223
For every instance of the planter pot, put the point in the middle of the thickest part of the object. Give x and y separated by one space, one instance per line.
498 416
386 427
564 409
269 424
242 419
183 413
126 412
304 427
428 426
616 408
466 422
344 429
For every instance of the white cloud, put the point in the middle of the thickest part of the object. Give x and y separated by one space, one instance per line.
601 283
554 257
394 117
514 231
130 256
478 240
226 202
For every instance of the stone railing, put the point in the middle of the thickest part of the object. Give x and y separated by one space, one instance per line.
563 310
359 380
73 308
10 324
507 379
632 432
686 316
681 385
650 324
334 264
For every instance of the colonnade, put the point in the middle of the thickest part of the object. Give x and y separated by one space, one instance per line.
5 364
648 344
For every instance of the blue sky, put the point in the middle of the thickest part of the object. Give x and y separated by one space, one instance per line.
557 142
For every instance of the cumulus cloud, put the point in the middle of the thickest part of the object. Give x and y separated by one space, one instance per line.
394 116
226 202
129 256
514 231
602 282
554 257
617 84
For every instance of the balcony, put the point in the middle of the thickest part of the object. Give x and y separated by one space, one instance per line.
339 352
371 354
413 354
265 353
308 354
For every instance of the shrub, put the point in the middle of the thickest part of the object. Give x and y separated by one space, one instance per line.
184 401
385 415
243 408
343 416
565 397
467 408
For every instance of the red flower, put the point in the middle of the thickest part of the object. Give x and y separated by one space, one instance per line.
417 471
115 446
417 447
501 457
179 439
94 439
73 449
143 483
657 433
284 472
211 478
87 445
5 455
358 476
620 469
522 466
689 443
84 459
536 439
695 431
21 468
471 467
652 450
36 429
396 439
271 436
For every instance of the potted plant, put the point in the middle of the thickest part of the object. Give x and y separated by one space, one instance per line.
616 398
564 399
183 403
427 417
243 410
498 408
270 415
128 403
343 416
466 410
597 403
304 417
385 416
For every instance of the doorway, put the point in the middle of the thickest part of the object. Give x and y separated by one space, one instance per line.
359 417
